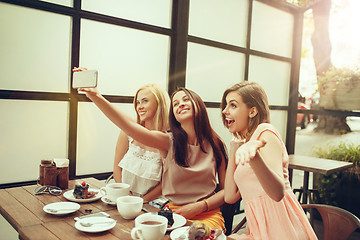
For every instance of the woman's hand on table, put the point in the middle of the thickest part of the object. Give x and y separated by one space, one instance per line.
190 210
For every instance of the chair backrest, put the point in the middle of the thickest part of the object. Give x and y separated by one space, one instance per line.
227 210
338 223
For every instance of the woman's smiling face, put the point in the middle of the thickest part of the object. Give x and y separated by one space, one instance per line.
182 106
236 113
146 105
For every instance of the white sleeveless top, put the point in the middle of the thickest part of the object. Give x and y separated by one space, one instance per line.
141 169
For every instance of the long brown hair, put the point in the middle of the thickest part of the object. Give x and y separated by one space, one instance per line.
202 128
253 95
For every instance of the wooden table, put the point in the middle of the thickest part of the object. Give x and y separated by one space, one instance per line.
24 211
313 164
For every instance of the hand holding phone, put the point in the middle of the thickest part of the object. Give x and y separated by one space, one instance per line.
85 79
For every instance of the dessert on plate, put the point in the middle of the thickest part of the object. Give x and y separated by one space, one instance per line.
200 231
81 191
166 212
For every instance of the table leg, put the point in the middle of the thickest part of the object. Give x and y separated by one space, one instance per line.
290 176
306 187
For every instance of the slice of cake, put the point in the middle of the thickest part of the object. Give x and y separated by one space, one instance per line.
81 191
166 212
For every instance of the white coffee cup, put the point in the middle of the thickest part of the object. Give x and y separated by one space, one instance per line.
149 226
115 190
129 206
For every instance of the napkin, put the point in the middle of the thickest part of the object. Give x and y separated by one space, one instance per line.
61 162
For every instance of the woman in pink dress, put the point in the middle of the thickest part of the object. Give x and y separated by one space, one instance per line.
258 168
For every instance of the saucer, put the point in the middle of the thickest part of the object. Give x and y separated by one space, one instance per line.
179 221
61 208
69 196
101 227
108 201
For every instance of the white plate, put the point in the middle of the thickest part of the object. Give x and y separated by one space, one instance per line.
177 232
61 207
107 201
101 227
69 196
179 221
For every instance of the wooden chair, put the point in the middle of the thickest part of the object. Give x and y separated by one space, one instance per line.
313 194
109 179
227 211
233 210
239 226
338 224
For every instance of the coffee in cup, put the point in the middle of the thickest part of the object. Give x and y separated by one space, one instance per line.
129 206
114 190
149 226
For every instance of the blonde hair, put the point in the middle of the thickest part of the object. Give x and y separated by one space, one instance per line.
253 95
161 118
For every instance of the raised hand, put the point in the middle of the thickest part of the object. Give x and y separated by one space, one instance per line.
79 69
246 152
235 143
90 92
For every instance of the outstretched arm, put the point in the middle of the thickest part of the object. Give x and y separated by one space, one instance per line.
151 138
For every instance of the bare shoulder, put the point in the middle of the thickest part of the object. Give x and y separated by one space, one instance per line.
123 135
270 136
274 145
123 138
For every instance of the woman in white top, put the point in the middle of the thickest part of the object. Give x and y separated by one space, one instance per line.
135 163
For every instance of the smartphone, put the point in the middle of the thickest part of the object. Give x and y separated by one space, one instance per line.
85 79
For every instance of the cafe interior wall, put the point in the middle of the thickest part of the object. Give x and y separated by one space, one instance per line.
131 44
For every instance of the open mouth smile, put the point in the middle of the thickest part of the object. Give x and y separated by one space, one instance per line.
230 122
183 110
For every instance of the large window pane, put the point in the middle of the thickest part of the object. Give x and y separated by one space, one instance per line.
222 21
125 58
97 137
211 70
273 76
34 49
218 126
279 120
30 131
271 30
154 12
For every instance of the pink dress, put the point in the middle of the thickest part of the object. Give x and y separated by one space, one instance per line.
266 218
